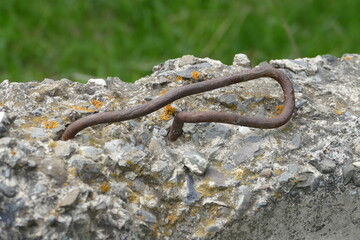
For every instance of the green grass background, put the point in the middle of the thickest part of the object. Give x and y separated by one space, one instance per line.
78 39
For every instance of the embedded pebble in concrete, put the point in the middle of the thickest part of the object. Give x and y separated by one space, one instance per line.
8 191
241 60
243 199
70 198
217 181
348 172
195 161
87 170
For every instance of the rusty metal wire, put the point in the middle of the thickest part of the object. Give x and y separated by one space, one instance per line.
180 118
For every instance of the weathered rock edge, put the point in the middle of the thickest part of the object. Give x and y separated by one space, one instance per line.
218 181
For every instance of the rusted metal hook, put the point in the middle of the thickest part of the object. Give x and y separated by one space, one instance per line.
205 116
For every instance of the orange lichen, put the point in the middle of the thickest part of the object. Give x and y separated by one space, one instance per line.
82 108
104 187
12 153
155 228
162 92
195 75
179 78
348 58
1 104
50 124
96 103
168 111
279 108
172 219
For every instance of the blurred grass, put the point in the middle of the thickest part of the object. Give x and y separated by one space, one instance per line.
96 38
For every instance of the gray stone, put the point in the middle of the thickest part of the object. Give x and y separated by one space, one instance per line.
308 180
3 130
129 155
187 60
218 130
64 149
293 168
229 100
35 132
348 172
87 170
191 194
195 161
327 166
356 164
285 177
357 146
51 220
8 191
147 216
296 141
91 152
39 188
242 199
241 60
113 146
8 142
163 132
187 73
70 199
216 176
267 173
3 118
101 206
356 178
54 168
245 153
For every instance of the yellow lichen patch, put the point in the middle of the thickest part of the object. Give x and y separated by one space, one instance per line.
200 233
52 144
338 112
169 185
279 109
179 78
277 195
96 103
195 75
72 171
37 120
172 218
210 221
104 187
155 228
133 198
50 124
168 111
205 189
348 58
278 172
242 174
294 180
82 108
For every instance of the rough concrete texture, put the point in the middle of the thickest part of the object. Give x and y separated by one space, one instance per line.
218 181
